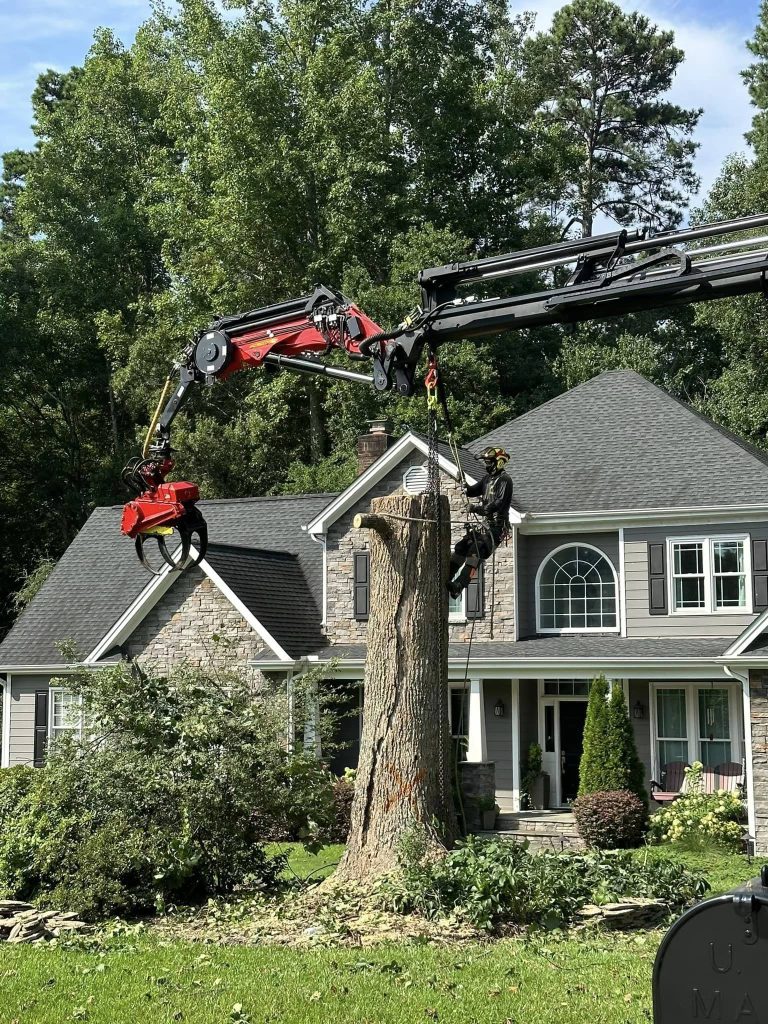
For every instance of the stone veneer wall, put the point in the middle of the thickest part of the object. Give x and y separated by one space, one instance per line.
758 707
180 630
343 540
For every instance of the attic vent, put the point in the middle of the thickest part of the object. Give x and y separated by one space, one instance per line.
415 480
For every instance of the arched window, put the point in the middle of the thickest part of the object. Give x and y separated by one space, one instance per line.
576 591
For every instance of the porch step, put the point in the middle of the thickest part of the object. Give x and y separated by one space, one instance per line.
546 830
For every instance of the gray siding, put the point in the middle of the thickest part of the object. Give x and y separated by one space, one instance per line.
639 621
529 715
22 712
533 549
639 691
498 738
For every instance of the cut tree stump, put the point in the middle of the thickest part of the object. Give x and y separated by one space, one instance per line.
403 776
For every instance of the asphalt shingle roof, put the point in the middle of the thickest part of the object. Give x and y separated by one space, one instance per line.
272 585
99 576
619 442
590 647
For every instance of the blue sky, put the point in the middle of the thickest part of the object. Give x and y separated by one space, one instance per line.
35 34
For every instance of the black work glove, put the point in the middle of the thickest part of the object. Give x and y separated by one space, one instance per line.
478 509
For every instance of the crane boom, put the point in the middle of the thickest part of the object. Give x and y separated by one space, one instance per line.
604 276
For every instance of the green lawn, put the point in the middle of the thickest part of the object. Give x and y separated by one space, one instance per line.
549 979
723 870
305 865
568 982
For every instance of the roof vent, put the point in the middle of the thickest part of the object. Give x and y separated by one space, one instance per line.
415 480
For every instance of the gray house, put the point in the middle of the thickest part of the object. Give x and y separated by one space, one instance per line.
638 548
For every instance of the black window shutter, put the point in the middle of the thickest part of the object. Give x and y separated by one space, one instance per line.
657 579
760 574
41 727
362 586
474 598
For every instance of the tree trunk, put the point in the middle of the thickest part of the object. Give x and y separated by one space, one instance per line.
403 776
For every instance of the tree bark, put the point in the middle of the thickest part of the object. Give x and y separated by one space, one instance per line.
403 776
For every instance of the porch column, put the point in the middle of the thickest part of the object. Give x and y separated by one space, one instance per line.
476 746
515 713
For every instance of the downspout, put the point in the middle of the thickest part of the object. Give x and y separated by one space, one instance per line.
743 680
321 539
5 742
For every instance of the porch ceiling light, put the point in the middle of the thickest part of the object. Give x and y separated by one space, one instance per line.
499 709
638 710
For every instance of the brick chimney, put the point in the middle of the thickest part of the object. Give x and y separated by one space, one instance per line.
373 444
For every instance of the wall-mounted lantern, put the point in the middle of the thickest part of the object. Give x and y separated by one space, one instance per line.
499 709
638 710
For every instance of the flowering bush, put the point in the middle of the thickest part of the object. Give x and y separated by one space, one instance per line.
709 817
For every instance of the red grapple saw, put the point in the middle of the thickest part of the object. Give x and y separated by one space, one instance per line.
287 336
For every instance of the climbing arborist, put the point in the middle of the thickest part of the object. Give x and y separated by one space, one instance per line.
479 542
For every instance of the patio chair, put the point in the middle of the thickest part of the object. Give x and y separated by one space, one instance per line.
673 777
730 776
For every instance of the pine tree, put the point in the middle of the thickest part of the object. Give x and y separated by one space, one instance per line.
595 751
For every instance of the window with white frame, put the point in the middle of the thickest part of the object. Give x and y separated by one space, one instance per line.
697 722
576 591
709 574
65 715
456 607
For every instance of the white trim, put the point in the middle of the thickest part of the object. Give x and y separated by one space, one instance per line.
605 519
38 670
477 749
5 746
515 586
752 632
249 617
133 614
571 629
622 596
707 541
516 754
746 712
376 472
321 538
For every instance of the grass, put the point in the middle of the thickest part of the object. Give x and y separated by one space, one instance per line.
549 979
564 981
303 865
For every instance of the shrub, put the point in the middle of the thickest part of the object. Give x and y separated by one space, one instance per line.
494 884
343 795
531 771
609 760
615 820
700 817
166 803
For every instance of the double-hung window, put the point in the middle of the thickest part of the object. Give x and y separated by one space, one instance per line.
66 715
709 574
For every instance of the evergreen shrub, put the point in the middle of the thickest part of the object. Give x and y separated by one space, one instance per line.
609 760
616 820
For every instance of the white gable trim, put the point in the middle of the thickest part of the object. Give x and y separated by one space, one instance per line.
157 588
744 639
376 472
612 519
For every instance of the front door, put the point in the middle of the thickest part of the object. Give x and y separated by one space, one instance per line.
573 714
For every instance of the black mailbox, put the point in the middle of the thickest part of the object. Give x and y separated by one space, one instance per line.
713 962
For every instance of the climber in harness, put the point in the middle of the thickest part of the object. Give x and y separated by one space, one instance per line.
479 542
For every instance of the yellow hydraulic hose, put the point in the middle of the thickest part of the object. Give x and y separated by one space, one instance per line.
156 417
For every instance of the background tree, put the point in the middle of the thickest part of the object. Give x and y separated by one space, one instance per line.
626 151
